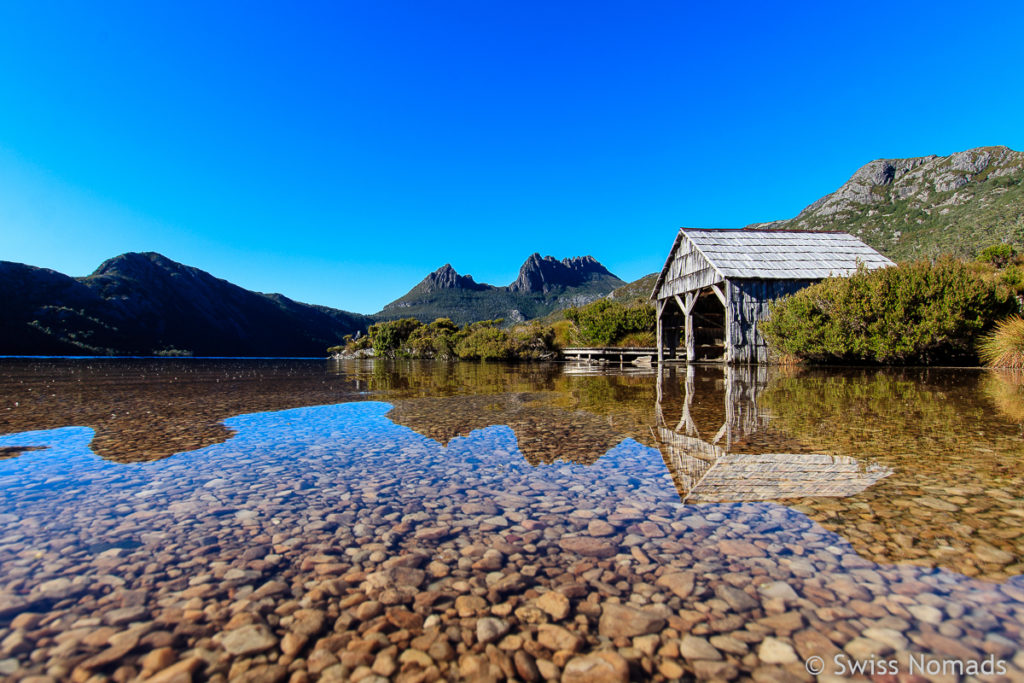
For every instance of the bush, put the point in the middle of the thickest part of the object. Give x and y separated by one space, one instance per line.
388 337
606 322
1003 347
565 333
436 340
444 340
535 342
1013 277
484 342
999 255
911 313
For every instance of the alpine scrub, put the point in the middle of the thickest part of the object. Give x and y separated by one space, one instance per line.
916 312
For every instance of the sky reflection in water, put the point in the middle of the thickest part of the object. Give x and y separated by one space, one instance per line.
307 494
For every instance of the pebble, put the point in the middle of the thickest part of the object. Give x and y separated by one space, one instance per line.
600 667
694 647
489 629
621 621
248 640
588 546
680 583
775 651
555 604
556 638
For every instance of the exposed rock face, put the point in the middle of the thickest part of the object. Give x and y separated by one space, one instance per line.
925 206
445 277
546 274
143 303
544 284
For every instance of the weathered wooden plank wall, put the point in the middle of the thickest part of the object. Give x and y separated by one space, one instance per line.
688 271
748 304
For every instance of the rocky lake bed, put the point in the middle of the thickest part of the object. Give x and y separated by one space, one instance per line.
296 521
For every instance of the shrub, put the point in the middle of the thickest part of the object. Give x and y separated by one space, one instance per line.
911 313
436 340
485 342
1003 347
444 340
999 255
1013 277
606 322
388 337
534 342
565 333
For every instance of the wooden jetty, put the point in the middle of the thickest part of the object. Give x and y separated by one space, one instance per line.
611 355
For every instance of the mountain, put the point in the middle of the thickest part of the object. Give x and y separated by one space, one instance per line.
544 284
926 206
445 277
145 303
546 275
637 289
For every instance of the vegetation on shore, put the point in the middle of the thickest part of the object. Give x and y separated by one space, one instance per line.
444 340
1003 347
944 311
916 312
612 323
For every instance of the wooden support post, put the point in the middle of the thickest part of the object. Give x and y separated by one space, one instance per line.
728 356
691 300
659 307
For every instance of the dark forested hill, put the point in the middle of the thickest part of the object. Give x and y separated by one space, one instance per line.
145 303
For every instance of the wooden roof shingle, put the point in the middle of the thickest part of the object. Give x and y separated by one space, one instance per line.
778 254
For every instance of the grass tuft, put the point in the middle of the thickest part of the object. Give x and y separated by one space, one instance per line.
1003 347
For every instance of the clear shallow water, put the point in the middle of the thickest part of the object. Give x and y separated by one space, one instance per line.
384 530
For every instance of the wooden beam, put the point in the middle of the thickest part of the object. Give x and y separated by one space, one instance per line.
691 300
721 296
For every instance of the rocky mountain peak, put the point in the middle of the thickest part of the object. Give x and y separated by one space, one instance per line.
446 277
585 265
544 274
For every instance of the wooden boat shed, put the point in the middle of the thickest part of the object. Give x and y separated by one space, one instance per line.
716 286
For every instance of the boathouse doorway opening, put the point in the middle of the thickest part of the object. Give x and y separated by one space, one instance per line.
708 327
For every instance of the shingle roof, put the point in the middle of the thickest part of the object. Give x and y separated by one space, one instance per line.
783 255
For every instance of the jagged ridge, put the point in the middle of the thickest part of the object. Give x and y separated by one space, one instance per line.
544 284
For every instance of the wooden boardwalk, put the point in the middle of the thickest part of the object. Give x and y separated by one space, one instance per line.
637 355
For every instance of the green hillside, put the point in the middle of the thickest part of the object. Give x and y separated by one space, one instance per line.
926 206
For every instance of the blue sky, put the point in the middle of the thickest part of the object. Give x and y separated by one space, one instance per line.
338 152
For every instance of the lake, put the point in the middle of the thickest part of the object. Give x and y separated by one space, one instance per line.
175 520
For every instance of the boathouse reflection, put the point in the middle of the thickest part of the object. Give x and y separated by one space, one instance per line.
705 465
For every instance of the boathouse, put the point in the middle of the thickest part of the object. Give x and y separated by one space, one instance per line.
716 286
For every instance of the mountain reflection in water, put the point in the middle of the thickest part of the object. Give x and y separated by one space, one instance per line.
951 438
